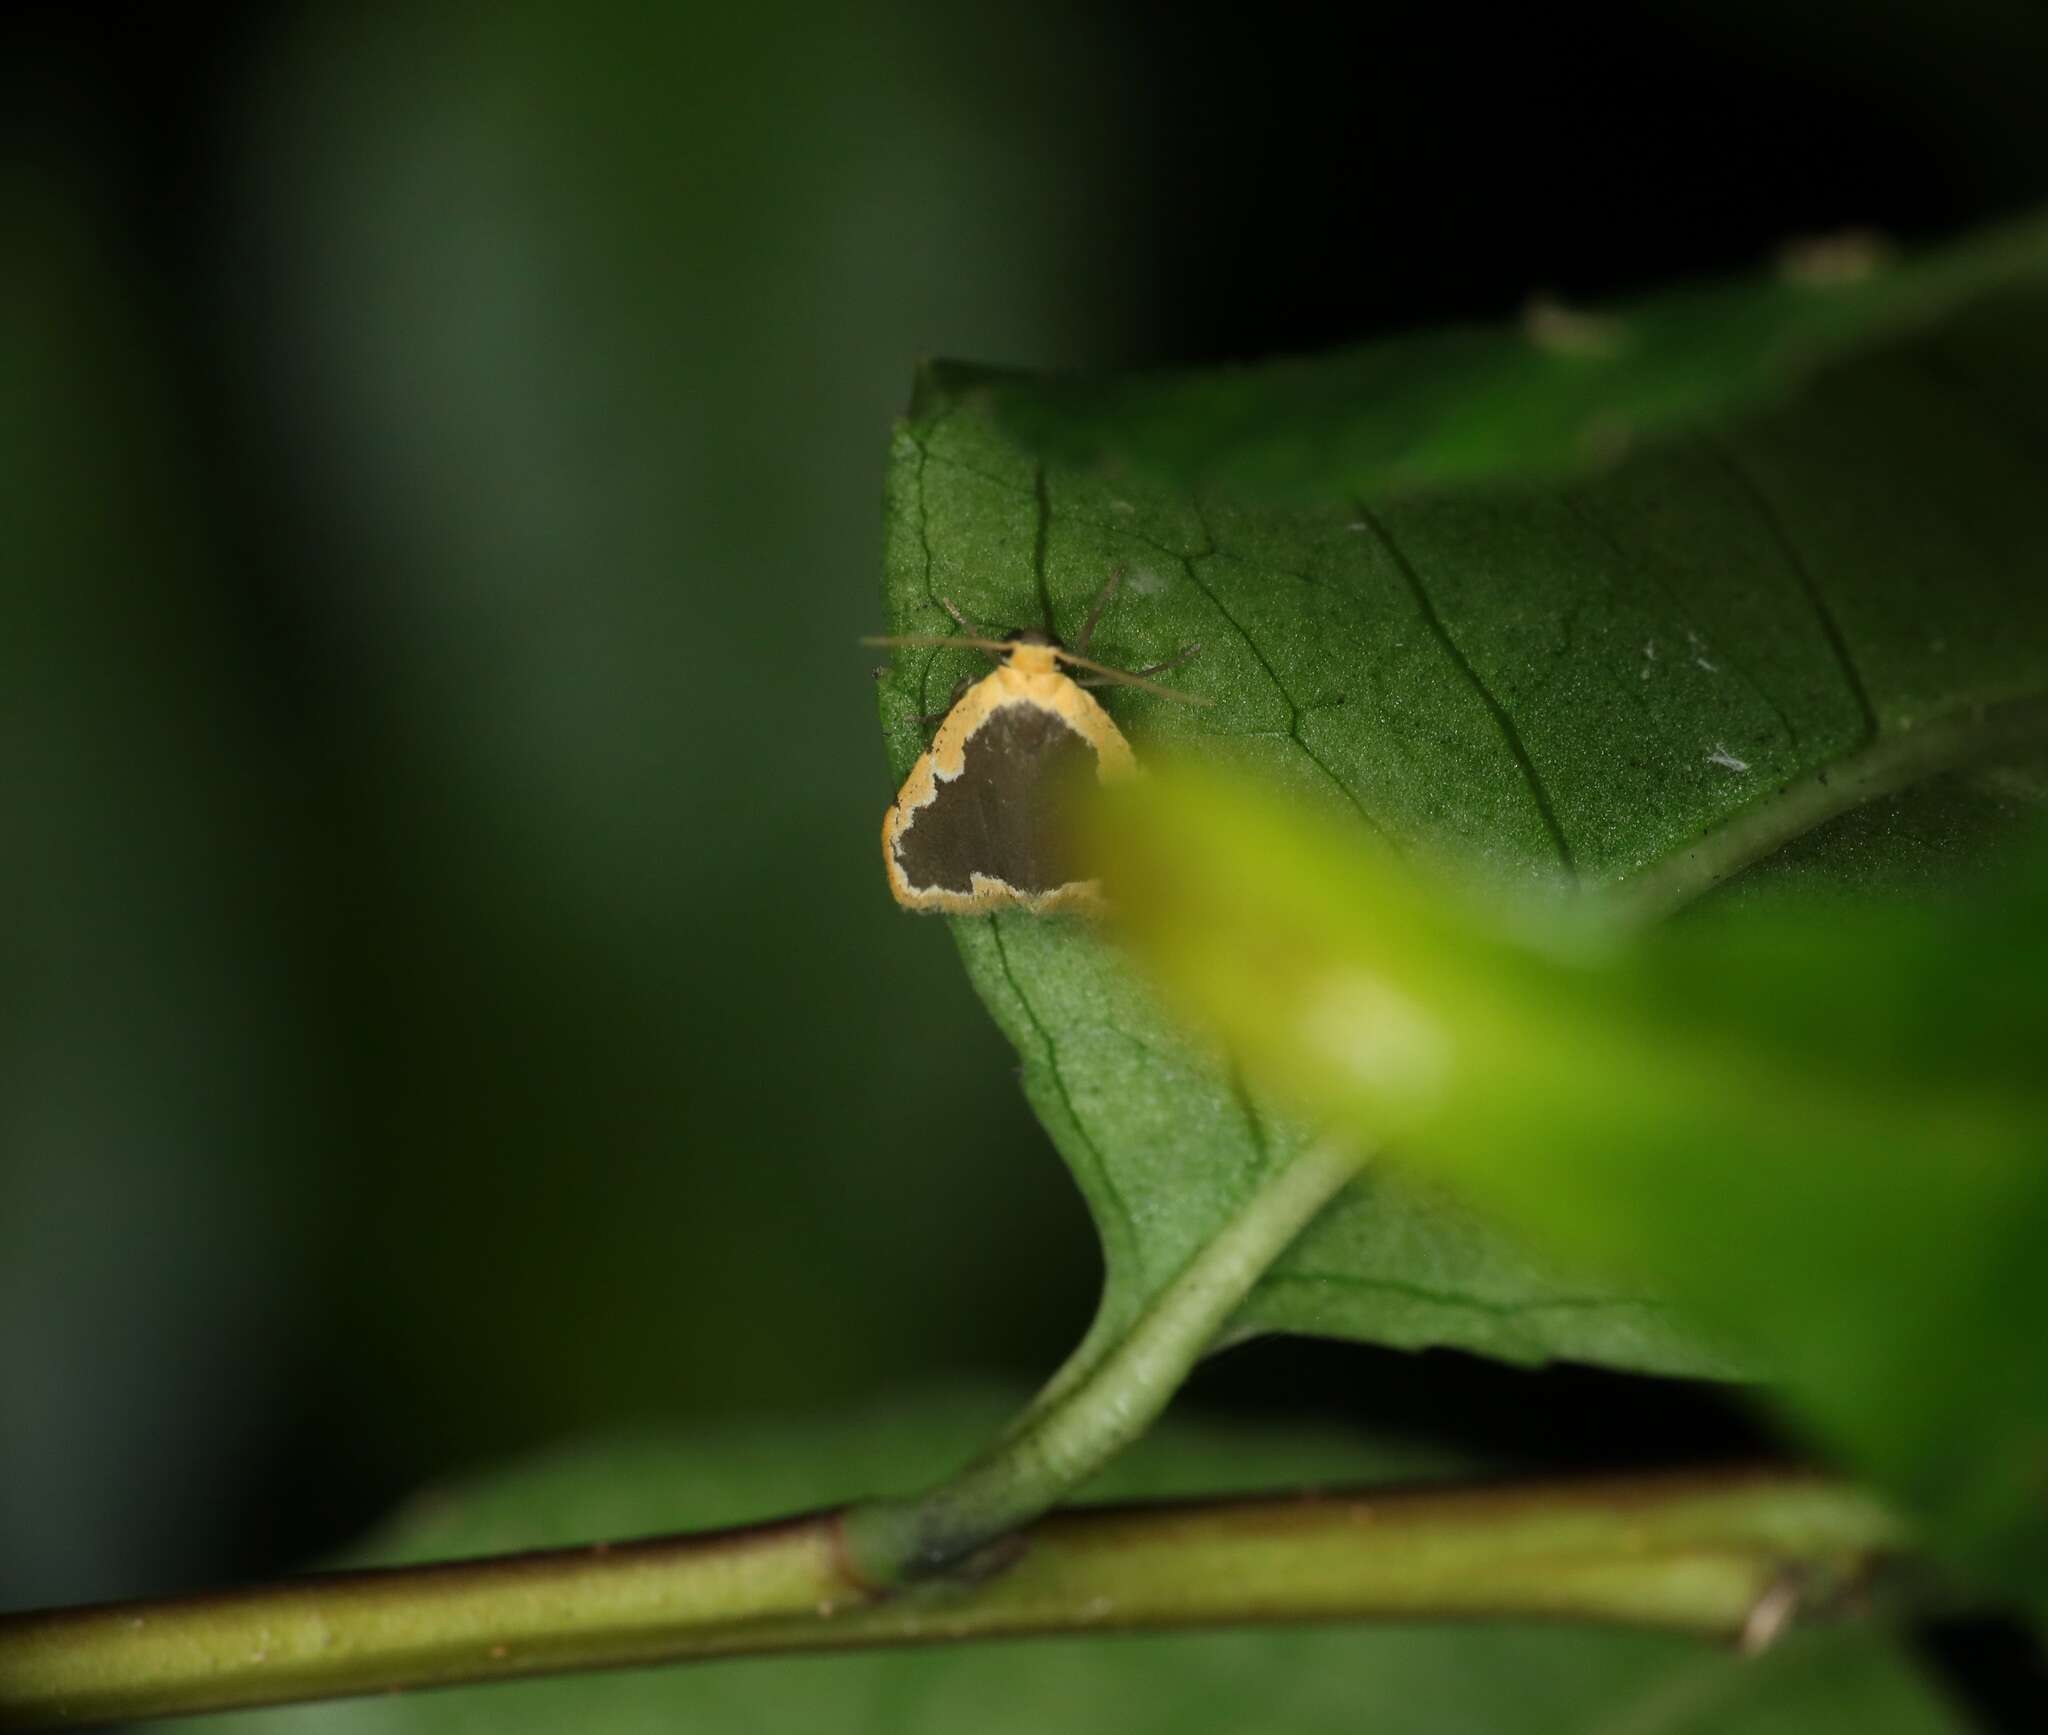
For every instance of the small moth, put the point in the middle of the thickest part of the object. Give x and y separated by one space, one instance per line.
975 827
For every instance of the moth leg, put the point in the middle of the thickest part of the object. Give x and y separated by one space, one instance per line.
932 719
968 627
1102 599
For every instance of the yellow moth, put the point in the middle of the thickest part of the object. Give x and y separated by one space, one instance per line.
976 825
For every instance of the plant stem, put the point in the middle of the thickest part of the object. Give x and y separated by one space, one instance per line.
1695 1553
1085 1417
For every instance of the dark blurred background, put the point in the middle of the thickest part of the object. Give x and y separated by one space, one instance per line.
450 998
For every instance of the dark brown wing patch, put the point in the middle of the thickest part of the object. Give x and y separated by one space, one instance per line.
999 817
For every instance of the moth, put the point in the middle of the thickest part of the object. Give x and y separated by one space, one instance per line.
977 824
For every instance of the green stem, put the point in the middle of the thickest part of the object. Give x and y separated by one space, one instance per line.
1892 762
1705 1554
1100 1401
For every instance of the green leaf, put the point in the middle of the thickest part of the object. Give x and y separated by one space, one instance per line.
1636 680
1825 1128
1418 1681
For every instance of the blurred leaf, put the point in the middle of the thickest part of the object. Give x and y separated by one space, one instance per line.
1564 392
1827 1129
1410 1681
1536 685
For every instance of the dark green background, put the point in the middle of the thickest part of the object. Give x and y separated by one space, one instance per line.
450 997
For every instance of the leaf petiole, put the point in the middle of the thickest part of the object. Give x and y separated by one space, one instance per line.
1101 1400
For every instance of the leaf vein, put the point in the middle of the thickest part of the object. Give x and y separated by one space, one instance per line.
1294 710
1105 1181
1802 574
1041 534
1114 527
1243 1098
924 541
1502 722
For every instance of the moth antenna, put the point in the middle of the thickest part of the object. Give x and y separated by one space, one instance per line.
1123 678
994 647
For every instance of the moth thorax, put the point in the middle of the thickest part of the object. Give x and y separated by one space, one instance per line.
1032 651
